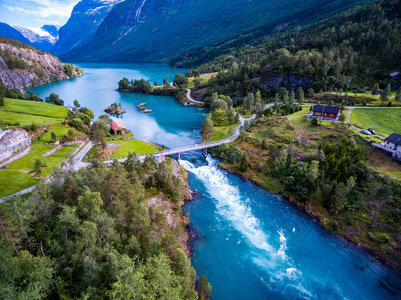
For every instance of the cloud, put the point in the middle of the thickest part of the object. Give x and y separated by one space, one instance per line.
9 7
44 8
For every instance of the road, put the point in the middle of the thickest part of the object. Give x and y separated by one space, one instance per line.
188 95
77 162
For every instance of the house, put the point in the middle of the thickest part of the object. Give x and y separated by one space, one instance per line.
391 145
118 128
326 111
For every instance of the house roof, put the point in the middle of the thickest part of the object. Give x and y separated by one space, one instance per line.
395 138
117 125
330 109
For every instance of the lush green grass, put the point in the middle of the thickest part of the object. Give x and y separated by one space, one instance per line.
299 118
221 132
27 162
58 129
35 108
385 120
202 79
26 119
12 181
132 145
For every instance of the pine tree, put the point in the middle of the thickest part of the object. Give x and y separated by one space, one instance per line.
398 95
386 94
244 163
53 137
292 97
300 95
38 168
207 128
375 89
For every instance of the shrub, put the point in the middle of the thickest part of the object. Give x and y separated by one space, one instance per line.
77 124
315 121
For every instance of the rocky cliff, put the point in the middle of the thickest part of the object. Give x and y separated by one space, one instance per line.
23 66
85 19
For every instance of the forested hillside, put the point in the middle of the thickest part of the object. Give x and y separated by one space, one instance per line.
349 51
155 31
93 235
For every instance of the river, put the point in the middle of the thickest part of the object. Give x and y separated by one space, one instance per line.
251 244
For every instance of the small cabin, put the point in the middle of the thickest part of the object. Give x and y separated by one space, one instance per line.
118 128
326 111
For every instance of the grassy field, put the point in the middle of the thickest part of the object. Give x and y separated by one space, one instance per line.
221 132
60 131
132 145
203 79
385 120
26 119
12 181
37 150
34 108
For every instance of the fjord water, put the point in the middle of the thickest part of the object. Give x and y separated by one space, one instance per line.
170 123
251 243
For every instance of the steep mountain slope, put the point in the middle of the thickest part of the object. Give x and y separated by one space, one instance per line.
42 38
9 32
156 30
85 19
23 66
349 51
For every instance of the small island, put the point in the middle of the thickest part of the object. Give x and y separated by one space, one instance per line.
115 109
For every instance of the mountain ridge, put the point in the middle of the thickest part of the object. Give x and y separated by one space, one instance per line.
166 29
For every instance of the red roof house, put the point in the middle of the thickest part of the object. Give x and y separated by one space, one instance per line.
118 127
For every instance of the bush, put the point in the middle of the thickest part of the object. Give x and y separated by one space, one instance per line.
77 124
315 121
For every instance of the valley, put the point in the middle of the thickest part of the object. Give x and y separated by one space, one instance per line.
195 150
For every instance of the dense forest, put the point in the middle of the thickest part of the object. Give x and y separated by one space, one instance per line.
92 235
349 51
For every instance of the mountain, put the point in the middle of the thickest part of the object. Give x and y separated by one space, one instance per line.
42 38
9 32
349 52
156 30
85 19
23 66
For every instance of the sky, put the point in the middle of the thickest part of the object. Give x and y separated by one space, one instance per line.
35 13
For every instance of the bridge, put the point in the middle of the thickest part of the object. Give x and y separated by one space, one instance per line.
196 147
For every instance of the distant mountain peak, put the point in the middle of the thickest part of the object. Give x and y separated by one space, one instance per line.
42 38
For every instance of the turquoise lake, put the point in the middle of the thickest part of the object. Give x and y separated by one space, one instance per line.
251 244
170 123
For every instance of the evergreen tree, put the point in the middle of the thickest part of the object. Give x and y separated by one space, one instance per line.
76 103
244 163
398 95
53 137
207 128
375 89
300 95
386 94
204 289
285 97
38 168
258 101
292 97
165 80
